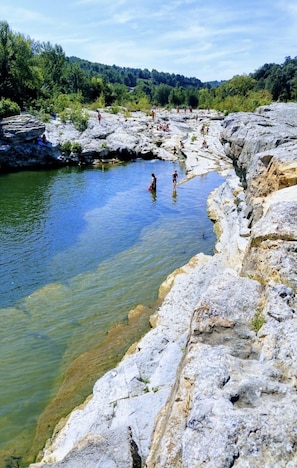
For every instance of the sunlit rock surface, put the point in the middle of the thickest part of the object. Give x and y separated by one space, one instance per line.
213 384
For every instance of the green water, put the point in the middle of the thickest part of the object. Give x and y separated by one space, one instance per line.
80 248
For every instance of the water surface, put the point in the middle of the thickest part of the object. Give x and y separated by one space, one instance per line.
80 248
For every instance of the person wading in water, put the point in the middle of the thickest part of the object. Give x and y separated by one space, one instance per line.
174 179
154 183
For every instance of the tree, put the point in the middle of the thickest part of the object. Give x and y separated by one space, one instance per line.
177 97
192 99
52 60
238 85
161 94
20 77
76 78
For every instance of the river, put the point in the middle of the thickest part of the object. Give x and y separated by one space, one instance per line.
80 248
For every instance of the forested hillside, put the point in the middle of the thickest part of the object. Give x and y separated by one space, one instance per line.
38 77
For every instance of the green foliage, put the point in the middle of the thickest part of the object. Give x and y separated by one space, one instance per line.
19 78
40 114
8 108
161 94
115 109
66 147
119 93
138 103
98 104
76 147
258 321
127 114
239 85
39 76
205 99
79 118
144 379
71 111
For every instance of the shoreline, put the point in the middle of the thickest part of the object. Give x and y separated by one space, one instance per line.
197 164
213 383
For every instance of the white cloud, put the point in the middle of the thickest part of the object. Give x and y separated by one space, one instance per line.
209 40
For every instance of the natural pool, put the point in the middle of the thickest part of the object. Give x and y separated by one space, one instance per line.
80 248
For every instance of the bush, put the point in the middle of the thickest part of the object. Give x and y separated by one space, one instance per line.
78 118
258 321
8 108
115 109
66 147
98 104
43 116
76 147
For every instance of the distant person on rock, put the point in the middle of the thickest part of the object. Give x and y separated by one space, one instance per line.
42 141
99 116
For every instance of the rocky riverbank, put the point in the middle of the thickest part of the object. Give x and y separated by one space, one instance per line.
213 383
116 138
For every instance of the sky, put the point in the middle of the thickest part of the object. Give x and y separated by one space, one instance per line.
209 40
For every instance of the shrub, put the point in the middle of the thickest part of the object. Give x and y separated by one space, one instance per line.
66 147
43 116
79 118
8 108
258 321
76 147
98 104
115 109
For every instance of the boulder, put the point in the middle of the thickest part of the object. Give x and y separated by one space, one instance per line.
20 129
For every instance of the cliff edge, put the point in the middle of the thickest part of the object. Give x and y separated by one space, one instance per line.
213 383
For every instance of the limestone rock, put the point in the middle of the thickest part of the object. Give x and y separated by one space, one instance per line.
20 128
213 384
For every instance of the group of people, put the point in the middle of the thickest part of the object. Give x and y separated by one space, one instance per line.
153 185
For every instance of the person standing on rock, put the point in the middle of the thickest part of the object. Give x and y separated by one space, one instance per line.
99 116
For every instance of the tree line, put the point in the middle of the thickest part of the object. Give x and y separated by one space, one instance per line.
39 78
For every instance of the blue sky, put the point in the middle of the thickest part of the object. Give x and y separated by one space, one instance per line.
209 40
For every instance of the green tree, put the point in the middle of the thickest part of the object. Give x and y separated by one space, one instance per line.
146 86
161 94
177 97
119 93
75 78
239 85
7 56
192 99
205 98
52 61
274 82
20 77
